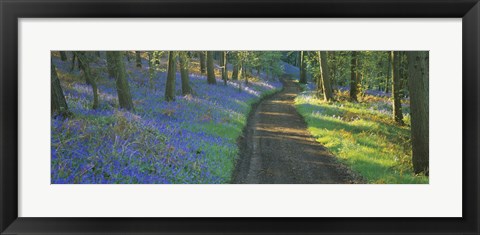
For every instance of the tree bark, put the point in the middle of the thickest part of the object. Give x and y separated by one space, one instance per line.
389 71
150 69
183 59
397 105
224 67
110 65
303 69
244 74
123 89
84 65
203 63
63 56
138 59
210 69
353 78
171 72
325 76
359 76
74 58
127 54
58 102
236 67
418 76
333 70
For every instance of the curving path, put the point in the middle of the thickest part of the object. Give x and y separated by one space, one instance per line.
278 149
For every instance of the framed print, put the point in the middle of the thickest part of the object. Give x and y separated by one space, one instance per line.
239 117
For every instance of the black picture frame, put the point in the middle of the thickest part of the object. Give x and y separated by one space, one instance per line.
12 10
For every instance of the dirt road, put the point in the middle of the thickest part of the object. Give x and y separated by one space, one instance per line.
278 149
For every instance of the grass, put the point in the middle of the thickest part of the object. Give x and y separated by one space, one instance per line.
363 135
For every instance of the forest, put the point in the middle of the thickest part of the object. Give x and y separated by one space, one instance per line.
239 117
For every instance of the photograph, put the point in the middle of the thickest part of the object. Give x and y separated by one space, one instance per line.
239 117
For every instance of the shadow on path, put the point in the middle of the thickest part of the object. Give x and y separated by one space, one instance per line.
278 149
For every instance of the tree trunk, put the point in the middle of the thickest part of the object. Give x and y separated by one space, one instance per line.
83 62
63 56
127 54
74 57
298 60
150 69
325 76
123 89
353 78
397 105
244 74
334 70
236 67
171 74
224 67
303 69
58 102
418 76
359 76
110 65
138 59
210 69
389 71
183 59
203 65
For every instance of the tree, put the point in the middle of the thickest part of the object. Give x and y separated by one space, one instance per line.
325 76
389 65
236 66
224 67
303 69
63 56
418 76
210 69
58 102
203 63
127 55
138 59
353 78
110 65
150 69
397 106
171 74
123 89
84 64
74 58
183 59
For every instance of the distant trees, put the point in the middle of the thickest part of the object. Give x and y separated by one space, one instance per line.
210 69
418 75
58 102
171 73
123 89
